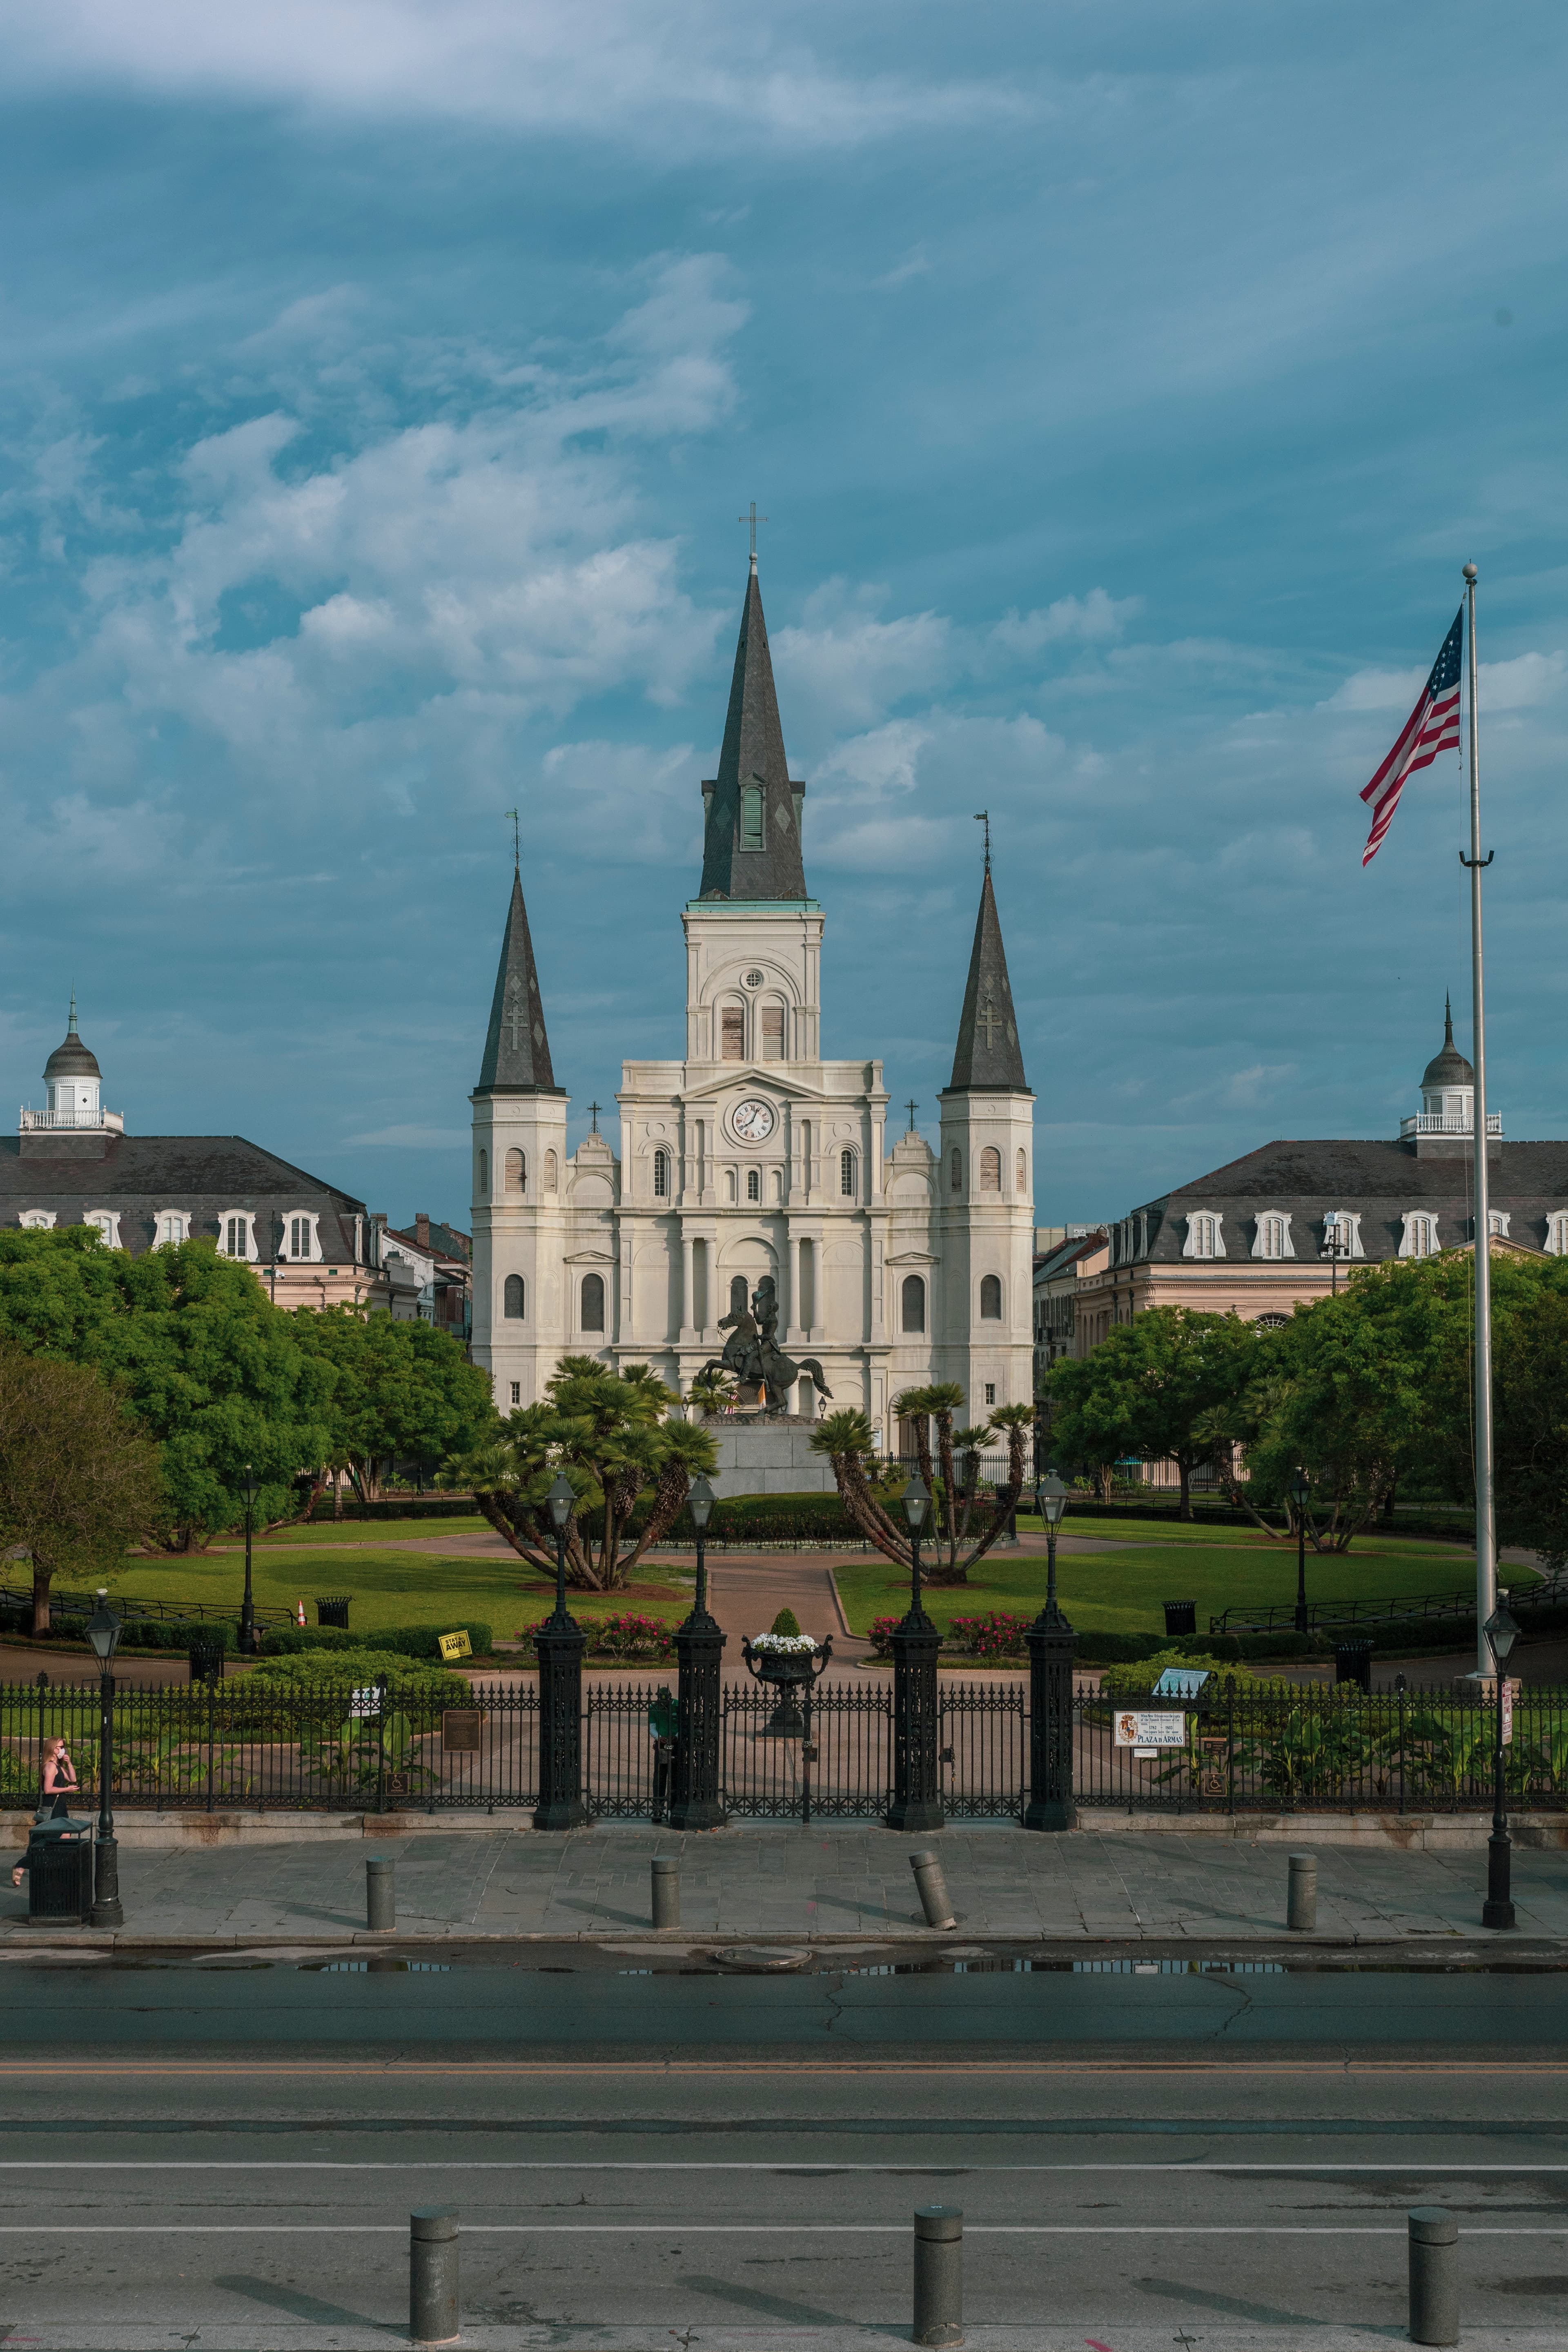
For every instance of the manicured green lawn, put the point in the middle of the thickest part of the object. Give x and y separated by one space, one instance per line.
357 1530
396 1588
1124 1591
1173 1531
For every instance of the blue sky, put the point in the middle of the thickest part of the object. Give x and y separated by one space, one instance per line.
380 382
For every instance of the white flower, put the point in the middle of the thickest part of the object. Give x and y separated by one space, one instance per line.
782 1642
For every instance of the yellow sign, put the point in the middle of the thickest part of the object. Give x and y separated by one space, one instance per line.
455 1646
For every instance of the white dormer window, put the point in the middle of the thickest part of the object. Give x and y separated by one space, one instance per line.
170 1225
1271 1235
105 1222
37 1220
1419 1238
300 1238
237 1236
1557 1234
1496 1223
1206 1238
1342 1234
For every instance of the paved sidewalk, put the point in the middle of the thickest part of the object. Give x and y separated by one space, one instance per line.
849 1881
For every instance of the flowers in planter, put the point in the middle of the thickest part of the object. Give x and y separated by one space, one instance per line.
776 1641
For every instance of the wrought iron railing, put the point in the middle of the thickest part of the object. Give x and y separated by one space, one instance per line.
1244 1620
1241 1747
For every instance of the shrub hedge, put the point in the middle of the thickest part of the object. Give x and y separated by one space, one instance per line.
401 1641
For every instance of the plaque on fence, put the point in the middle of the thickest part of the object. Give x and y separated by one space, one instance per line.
1217 1766
460 1730
1149 1733
364 1702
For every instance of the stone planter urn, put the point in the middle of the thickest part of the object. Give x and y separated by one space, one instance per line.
789 1663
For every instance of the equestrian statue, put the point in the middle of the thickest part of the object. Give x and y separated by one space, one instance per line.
751 1353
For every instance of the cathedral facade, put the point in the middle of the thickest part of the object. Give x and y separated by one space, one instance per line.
753 1158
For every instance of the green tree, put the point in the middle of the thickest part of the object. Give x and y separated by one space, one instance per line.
205 1364
850 1444
1148 1387
401 1388
78 1481
608 1432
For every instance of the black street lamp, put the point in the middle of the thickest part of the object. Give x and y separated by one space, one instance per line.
1301 1487
250 1487
917 1792
695 1801
560 1643
103 1633
1050 1641
1497 1911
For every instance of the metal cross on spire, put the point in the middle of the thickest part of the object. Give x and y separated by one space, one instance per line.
516 839
982 816
594 1107
753 518
911 1107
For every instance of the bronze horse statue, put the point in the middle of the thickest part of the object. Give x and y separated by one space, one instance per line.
753 1357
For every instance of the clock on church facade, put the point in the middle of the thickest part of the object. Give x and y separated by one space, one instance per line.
752 1156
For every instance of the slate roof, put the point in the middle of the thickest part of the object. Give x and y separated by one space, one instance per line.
516 1051
72 1058
1378 1180
988 1054
1448 1067
753 752
208 1176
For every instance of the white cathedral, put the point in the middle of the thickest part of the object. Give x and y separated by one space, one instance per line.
753 1156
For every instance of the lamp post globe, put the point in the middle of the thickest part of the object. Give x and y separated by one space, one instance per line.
1300 1491
103 1633
1050 1501
917 1791
560 1643
1501 1630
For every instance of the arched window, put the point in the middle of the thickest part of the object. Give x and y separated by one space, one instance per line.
1204 1235
732 1033
1420 1236
512 1297
753 1183
484 1175
956 1176
773 1032
593 1302
298 1237
740 1295
551 1176
914 1304
1273 1236
1023 1172
991 1298
752 817
661 1175
728 1184
1557 1234
847 1174
991 1170
516 1173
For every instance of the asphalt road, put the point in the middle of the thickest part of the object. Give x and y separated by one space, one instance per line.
226 2156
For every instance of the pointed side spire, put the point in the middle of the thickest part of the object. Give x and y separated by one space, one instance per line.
751 846
988 1054
516 1051
72 1029
1448 1019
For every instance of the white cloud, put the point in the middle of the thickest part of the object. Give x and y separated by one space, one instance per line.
612 68
843 668
1095 619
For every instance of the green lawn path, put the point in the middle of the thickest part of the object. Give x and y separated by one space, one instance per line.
395 1588
1125 1592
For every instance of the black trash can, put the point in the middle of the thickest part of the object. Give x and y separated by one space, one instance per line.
59 1871
334 1612
1352 1664
1181 1616
206 1659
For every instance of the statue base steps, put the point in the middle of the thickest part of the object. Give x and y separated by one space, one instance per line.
768 1457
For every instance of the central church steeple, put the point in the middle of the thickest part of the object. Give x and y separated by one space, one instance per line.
750 845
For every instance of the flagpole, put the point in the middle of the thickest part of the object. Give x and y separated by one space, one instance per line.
1486 1514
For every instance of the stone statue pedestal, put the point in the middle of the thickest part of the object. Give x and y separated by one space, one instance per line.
759 1457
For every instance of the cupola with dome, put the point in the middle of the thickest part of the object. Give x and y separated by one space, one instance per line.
74 1085
1447 1118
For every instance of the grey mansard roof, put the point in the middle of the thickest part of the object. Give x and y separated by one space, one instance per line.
208 1176
752 753
1377 1182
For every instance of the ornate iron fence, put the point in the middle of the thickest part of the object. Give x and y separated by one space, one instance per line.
228 1746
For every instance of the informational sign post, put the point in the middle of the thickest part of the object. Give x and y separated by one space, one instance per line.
1147 1734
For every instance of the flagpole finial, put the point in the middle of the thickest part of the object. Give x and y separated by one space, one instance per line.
1472 574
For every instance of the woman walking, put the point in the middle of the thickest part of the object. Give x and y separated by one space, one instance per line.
59 1786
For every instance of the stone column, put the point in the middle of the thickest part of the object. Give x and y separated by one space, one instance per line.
687 1285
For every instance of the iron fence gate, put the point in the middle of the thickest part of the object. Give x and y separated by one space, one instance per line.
226 1746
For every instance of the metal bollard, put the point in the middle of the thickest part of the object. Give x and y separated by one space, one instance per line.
1433 2276
381 1893
433 2275
1301 1896
932 1887
665 1891
939 2274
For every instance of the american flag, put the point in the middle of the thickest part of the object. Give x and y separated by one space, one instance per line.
1432 727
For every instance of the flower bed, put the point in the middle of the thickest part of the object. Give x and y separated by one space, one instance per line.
994 1635
626 1637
